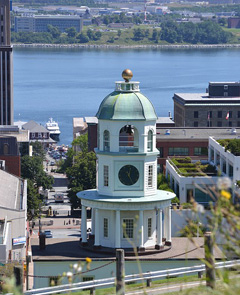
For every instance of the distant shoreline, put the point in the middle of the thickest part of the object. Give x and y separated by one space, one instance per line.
112 46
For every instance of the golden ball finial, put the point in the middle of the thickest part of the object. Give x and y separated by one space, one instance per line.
127 75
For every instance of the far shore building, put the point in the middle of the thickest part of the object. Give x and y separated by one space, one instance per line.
39 23
218 107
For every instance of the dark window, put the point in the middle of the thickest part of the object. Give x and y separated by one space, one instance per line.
238 124
230 123
230 114
238 114
195 124
195 114
200 151
209 124
178 151
219 114
219 124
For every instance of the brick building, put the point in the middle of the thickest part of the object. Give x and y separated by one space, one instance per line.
234 22
218 107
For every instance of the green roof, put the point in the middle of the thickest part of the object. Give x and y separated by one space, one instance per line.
120 105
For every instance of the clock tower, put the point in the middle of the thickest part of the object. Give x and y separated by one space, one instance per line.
127 208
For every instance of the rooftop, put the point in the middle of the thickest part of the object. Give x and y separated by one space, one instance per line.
69 249
179 133
204 98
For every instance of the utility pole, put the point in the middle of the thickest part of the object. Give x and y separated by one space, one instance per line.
209 261
120 272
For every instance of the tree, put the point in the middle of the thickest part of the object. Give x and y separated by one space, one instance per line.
81 176
54 31
71 32
83 38
32 169
82 142
138 34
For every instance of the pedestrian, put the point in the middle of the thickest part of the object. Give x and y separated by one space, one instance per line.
73 221
64 222
69 222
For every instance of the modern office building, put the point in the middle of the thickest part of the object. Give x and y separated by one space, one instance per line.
218 107
39 23
6 79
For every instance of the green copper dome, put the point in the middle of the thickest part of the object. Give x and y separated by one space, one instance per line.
126 104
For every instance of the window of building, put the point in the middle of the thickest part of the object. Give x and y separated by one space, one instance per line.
150 141
230 114
39 135
219 114
128 228
225 87
209 123
219 124
106 141
200 151
195 124
238 124
238 114
177 151
6 149
150 176
195 114
225 94
128 139
230 123
160 155
149 227
105 227
105 175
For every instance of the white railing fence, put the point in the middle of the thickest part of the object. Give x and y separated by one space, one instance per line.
148 276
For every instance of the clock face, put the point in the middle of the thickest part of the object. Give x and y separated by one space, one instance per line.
128 175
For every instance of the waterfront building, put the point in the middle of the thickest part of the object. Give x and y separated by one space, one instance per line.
6 78
218 107
127 175
39 23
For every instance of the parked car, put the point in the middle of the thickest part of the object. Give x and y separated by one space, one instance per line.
48 233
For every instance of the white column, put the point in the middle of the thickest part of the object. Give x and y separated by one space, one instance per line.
96 240
227 167
117 230
160 228
165 226
93 221
221 164
169 236
141 229
84 224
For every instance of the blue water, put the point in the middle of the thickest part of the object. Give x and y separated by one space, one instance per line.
67 83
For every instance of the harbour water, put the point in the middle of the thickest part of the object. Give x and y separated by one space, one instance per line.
65 83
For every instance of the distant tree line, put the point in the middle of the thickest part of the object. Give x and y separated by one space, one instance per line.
207 32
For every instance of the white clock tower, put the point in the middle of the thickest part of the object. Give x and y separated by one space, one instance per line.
127 209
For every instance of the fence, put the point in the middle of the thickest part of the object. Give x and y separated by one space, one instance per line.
148 276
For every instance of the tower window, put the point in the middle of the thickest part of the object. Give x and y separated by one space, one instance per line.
105 227
128 228
105 175
6 149
150 176
150 141
128 139
219 114
149 227
106 141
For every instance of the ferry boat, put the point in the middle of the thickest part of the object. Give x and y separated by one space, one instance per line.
53 129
